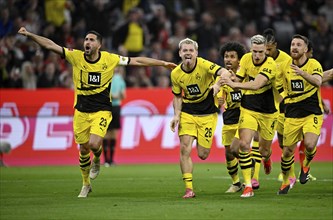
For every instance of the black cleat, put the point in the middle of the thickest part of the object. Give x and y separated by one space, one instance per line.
284 189
304 176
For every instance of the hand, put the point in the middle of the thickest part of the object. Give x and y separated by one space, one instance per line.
216 88
225 81
170 65
23 31
174 122
297 70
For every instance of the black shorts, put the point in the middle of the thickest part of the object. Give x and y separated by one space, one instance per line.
115 123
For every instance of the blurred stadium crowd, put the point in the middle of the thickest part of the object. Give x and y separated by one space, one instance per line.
150 28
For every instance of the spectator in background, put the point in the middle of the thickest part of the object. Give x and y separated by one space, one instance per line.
118 93
323 38
48 78
55 11
66 79
130 37
4 75
15 78
28 76
6 23
207 36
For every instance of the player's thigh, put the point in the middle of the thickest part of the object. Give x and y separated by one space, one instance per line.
228 134
81 127
99 122
187 125
267 126
311 129
313 124
248 120
280 123
206 129
293 131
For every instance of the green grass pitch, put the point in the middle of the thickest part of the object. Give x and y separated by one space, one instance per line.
154 192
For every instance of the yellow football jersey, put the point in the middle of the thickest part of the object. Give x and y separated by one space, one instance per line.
92 80
264 99
194 87
280 59
302 98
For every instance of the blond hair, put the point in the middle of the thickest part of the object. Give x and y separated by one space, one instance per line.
188 41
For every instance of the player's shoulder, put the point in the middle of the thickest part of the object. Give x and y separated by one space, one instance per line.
72 51
315 66
247 56
313 61
246 59
108 54
177 69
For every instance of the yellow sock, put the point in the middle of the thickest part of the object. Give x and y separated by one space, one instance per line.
255 154
292 171
187 177
85 168
245 162
232 167
308 157
286 164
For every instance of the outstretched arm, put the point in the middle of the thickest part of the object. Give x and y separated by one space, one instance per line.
42 41
146 61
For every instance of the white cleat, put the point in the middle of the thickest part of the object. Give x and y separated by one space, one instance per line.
234 188
94 170
85 191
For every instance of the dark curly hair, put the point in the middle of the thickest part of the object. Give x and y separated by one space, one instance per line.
233 46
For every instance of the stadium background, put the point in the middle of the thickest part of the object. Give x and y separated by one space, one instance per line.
36 94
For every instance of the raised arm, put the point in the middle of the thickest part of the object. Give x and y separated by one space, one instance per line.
146 61
42 41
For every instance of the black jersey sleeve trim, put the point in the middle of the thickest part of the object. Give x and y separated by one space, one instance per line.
261 73
63 55
176 94
217 72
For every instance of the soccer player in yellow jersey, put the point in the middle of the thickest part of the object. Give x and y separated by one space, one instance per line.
231 53
92 75
258 106
195 107
279 56
304 110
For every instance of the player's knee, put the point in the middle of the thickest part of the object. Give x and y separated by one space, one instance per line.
288 152
94 145
203 156
184 150
244 146
229 155
309 145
